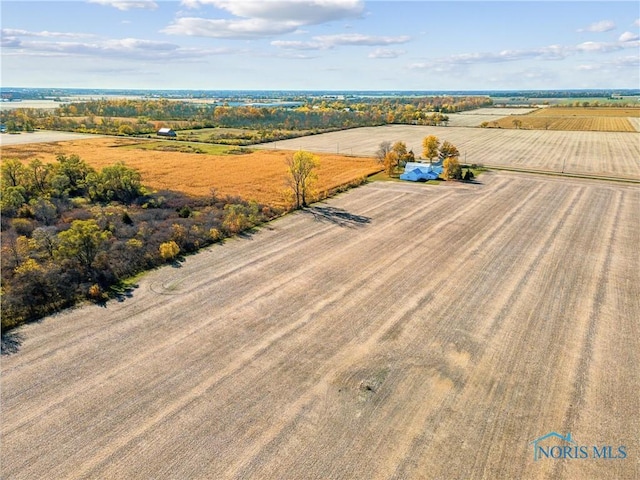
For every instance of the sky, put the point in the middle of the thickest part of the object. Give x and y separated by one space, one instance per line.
320 44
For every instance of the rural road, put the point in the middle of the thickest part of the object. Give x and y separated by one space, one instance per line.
396 331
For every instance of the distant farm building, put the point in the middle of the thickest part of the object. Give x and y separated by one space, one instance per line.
166 132
11 96
421 172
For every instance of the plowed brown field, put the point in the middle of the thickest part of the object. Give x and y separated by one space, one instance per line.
396 331
260 176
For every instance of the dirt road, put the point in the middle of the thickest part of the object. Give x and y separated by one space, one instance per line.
397 331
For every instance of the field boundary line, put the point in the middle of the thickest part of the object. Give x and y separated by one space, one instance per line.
563 174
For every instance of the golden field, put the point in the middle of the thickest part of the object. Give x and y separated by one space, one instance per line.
259 176
588 111
576 118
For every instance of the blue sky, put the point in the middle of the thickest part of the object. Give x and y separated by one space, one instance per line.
320 44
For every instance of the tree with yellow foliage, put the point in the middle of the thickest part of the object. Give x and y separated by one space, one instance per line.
452 169
430 147
391 162
169 250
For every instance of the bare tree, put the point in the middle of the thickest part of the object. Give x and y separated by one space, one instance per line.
383 149
448 150
301 167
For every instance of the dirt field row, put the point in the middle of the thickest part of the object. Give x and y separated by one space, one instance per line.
598 153
398 331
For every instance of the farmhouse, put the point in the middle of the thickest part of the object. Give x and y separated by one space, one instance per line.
421 172
166 132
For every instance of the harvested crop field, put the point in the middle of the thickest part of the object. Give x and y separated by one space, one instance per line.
395 331
474 118
599 119
498 111
588 112
613 154
259 176
560 122
42 136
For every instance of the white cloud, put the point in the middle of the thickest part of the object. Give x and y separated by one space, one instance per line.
298 45
551 52
127 4
588 68
324 42
237 29
599 27
11 37
303 12
296 56
386 53
138 44
629 61
637 22
190 3
438 65
10 42
122 49
14 32
263 18
601 47
628 37
359 39
602 26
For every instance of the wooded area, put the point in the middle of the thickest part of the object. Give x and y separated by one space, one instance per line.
71 232
145 117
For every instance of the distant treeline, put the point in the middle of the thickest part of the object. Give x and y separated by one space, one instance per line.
129 117
565 93
279 95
